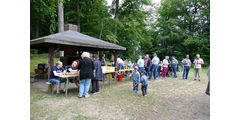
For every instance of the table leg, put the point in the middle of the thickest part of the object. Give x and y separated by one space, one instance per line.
109 79
66 88
103 79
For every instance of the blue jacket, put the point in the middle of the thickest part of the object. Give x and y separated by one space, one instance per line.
135 76
98 68
144 80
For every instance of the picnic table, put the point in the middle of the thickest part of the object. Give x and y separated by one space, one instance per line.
67 76
107 70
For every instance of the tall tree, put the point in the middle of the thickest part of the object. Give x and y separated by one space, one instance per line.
60 16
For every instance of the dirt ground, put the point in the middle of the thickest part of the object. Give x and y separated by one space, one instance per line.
168 99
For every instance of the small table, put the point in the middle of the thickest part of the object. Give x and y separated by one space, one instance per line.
126 70
67 80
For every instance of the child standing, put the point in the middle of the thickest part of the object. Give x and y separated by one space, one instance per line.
144 83
136 79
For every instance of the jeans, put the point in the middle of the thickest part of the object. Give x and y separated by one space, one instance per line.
154 70
84 87
174 67
186 70
95 85
144 90
140 69
164 71
147 69
56 81
135 87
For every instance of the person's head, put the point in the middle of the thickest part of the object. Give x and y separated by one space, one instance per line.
173 57
94 57
166 57
85 55
160 62
154 55
140 57
142 73
103 55
187 56
198 56
74 64
135 68
147 56
59 64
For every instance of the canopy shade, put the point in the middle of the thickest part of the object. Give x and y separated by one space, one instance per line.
73 38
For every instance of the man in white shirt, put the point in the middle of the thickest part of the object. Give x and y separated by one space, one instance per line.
155 62
165 66
120 63
140 64
197 66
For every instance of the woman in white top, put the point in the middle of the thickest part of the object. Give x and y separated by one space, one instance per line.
165 67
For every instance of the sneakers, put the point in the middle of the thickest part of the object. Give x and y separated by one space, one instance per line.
86 96
80 96
58 95
198 79
195 79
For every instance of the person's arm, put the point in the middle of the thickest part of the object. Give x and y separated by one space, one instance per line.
202 62
93 68
139 78
57 74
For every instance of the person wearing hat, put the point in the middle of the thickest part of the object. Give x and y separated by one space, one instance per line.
144 83
136 79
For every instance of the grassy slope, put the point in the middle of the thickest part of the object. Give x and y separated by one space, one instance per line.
38 58
167 99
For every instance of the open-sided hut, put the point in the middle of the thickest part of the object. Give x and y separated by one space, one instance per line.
72 42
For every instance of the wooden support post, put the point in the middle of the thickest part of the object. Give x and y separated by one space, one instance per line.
51 52
115 63
50 59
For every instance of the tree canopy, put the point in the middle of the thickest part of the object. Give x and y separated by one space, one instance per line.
175 28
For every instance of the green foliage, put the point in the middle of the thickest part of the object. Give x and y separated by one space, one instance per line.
182 26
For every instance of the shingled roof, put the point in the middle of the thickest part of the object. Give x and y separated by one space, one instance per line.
75 39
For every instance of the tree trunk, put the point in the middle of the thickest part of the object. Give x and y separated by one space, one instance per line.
60 16
78 17
100 35
116 16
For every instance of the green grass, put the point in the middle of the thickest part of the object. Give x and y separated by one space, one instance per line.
81 117
38 58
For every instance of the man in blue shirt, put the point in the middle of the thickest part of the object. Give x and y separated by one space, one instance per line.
174 66
56 71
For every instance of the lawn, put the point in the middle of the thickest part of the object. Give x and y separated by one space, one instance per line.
168 99
38 58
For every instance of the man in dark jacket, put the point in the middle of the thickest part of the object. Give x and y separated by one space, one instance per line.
147 64
98 75
87 72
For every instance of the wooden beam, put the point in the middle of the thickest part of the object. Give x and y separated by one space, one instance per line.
115 63
51 52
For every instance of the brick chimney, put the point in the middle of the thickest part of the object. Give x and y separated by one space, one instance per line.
70 27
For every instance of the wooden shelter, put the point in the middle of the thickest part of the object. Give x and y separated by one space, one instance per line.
72 43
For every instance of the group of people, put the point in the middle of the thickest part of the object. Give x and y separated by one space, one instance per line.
147 67
90 71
